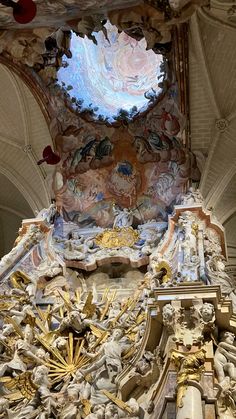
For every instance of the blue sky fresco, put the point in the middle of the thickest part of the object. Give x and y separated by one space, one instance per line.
112 75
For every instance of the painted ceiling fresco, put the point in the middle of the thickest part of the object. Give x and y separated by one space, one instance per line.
142 166
112 75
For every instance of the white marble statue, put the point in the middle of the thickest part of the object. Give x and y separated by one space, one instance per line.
77 390
207 312
48 214
49 267
4 405
24 349
192 197
123 218
72 320
110 352
215 268
32 236
74 247
18 314
43 404
212 243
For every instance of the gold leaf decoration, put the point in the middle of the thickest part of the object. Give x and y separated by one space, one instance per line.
164 265
117 237
22 386
18 279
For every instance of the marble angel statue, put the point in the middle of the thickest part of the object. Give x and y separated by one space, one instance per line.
74 247
215 268
123 218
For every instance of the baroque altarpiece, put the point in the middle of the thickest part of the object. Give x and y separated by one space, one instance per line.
115 301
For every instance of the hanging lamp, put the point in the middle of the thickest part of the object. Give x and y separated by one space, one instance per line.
24 11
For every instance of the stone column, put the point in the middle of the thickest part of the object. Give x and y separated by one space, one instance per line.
192 404
190 366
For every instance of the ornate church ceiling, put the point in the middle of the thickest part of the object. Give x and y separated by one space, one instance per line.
24 187
212 67
54 14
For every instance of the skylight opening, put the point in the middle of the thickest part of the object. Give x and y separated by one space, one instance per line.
111 78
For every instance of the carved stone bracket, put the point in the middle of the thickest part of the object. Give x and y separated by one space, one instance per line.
188 325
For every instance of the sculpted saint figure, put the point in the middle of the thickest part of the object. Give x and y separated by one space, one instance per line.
74 247
42 404
23 350
110 352
192 197
77 390
4 405
218 276
97 412
123 218
73 320
43 393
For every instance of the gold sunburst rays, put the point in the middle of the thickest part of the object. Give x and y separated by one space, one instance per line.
45 315
105 294
129 353
138 320
89 307
62 366
108 300
77 296
6 305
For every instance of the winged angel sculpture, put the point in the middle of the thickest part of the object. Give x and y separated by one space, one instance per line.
63 359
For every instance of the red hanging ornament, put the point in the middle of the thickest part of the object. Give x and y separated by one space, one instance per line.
49 156
24 11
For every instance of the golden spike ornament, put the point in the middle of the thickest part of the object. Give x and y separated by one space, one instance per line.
18 279
122 405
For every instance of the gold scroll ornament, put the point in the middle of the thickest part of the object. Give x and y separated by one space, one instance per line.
164 265
117 237
19 280
190 367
